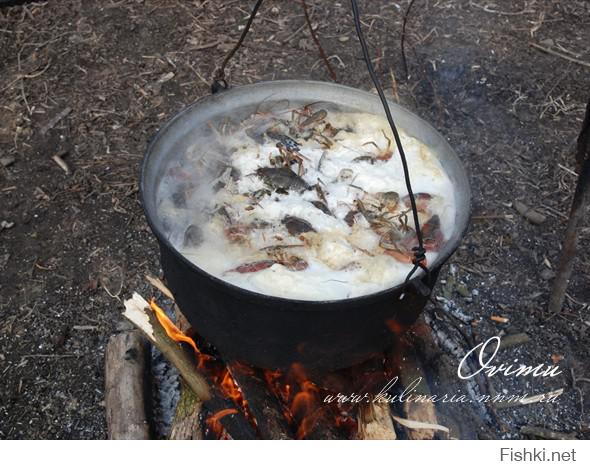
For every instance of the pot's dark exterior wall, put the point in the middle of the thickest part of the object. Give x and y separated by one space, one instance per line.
270 332
274 333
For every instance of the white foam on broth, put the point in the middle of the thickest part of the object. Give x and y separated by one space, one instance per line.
239 225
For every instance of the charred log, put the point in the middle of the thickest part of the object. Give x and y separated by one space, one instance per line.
264 406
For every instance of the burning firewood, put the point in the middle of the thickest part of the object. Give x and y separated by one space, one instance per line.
138 312
234 401
264 406
163 334
186 425
125 361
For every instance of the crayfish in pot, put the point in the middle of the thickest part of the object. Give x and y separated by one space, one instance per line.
380 209
309 124
289 152
282 178
276 255
400 244
382 155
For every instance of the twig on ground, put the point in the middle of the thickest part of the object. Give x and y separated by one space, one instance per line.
403 38
394 90
487 9
559 54
55 120
57 158
317 42
575 381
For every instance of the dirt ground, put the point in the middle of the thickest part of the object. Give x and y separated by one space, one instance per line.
93 81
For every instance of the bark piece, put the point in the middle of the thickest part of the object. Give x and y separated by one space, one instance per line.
531 215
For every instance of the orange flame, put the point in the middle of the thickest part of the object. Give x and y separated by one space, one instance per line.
305 408
171 329
213 422
304 401
300 398
216 371
231 390
279 387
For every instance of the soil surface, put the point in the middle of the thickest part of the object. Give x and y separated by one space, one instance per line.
91 82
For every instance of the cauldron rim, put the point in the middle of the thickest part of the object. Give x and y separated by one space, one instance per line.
151 212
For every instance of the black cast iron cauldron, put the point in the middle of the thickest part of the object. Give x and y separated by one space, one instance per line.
274 332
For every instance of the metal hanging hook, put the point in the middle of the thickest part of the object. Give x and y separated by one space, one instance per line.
219 81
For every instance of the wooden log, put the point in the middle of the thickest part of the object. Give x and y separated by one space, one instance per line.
138 312
198 402
511 341
187 419
187 423
374 422
125 370
235 424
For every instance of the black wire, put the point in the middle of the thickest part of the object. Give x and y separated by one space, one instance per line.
419 252
219 76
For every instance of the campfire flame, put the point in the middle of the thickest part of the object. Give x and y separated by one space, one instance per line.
217 372
171 329
302 399
214 421
305 407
